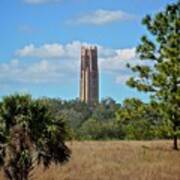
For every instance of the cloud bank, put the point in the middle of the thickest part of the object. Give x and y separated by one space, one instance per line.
101 17
57 63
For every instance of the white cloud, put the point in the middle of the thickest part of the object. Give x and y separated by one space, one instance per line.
117 61
51 51
57 63
101 17
35 2
43 71
45 51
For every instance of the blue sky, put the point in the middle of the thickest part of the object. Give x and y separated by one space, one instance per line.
40 44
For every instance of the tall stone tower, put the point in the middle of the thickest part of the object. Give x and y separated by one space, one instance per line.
89 82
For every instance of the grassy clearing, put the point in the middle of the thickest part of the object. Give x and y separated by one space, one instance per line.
116 160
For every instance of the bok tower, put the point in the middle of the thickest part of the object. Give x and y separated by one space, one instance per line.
89 77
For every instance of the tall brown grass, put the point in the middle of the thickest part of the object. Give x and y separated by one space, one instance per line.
116 160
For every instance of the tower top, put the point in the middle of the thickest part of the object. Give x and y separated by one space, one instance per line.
88 47
88 50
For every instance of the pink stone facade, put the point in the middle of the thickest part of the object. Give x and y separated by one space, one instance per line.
89 76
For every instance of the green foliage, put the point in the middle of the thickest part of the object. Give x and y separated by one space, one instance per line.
110 120
84 122
93 129
142 121
28 130
161 73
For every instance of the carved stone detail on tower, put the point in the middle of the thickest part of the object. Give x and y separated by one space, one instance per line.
89 77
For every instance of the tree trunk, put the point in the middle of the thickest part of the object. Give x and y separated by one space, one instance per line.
175 139
175 143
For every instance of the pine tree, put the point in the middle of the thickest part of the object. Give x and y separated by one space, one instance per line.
160 73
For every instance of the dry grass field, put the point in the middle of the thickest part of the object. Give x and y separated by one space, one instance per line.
116 160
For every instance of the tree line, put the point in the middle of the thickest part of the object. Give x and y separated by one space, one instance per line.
108 120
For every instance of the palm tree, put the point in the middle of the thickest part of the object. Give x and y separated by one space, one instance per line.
29 135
